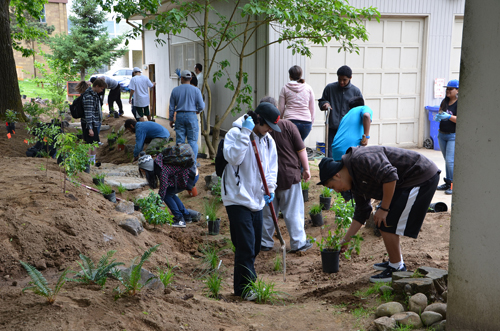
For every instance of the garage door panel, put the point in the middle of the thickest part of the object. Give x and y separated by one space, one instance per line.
392 57
320 58
389 110
407 108
372 84
375 31
406 133
409 84
388 134
335 59
318 82
412 32
374 134
410 58
374 104
374 58
393 32
390 84
356 61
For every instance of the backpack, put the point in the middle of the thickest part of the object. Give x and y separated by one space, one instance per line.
220 161
76 108
179 155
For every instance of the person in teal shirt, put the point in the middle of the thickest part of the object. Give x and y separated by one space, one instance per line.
354 128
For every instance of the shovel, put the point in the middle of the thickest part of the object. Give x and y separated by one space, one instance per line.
327 129
271 207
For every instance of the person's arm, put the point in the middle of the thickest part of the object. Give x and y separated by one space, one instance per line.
88 111
236 144
305 164
140 136
388 192
366 128
453 118
200 104
130 98
131 86
324 102
272 174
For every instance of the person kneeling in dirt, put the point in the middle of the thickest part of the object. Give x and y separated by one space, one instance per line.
144 131
404 181
242 191
173 180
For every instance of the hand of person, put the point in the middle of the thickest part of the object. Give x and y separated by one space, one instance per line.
178 72
306 175
380 217
91 133
444 116
364 141
130 101
248 123
268 199
172 124
326 106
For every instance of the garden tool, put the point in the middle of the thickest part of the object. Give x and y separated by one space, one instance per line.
327 129
91 188
271 207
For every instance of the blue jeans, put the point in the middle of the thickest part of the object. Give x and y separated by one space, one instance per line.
304 128
246 234
447 146
174 203
186 126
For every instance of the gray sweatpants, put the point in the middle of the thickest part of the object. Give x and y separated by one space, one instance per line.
291 204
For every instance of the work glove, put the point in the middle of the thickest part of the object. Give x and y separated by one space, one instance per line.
178 72
268 199
248 123
442 117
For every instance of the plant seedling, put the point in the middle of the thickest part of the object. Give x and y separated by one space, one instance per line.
211 256
166 275
277 265
99 176
213 284
211 208
131 279
121 189
304 185
92 274
105 189
216 189
326 193
121 141
264 290
39 284
316 209
11 116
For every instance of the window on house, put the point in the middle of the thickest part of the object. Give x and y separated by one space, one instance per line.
184 56
43 19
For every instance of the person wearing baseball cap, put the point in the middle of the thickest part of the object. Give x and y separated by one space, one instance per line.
186 102
139 94
242 189
447 116
405 181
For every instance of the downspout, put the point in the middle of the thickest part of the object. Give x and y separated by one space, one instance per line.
142 42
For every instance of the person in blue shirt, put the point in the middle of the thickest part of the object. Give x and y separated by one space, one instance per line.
186 102
143 131
354 128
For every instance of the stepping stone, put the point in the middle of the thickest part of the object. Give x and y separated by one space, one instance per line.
130 183
417 285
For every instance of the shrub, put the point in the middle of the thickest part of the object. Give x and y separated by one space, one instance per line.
151 208
92 274
11 116
39 284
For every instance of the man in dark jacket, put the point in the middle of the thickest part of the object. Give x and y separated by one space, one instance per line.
91 121
336 96
404 181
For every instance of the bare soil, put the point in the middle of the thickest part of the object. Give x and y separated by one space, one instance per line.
47 227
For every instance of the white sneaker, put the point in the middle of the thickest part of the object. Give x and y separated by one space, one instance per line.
251 296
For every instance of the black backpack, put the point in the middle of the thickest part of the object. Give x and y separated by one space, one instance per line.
76 108
180 155
220 161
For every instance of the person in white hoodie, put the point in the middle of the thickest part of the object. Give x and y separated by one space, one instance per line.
296 102
242 188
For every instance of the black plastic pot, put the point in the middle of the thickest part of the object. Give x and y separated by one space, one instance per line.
24 96
79 136
201 156
111 141
87 169
330 261
116 115
214 227
326 202
11 127
111 197
305 195
438 207
98 181
317 220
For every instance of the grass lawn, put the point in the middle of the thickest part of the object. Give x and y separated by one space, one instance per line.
31 90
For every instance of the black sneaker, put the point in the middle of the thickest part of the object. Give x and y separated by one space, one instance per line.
381 266
443 187
265 248
188 220
449 191
386 275
304 248
179 224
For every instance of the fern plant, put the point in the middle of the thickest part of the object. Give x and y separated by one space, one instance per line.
166 275
92 274
131 279
39 284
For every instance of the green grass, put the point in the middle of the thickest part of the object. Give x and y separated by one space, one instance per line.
373 289
277 263
265 291
31 90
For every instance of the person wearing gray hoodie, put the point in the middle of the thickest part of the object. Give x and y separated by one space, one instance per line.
296 102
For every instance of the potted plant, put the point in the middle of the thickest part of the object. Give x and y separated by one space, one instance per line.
107 191
111 138
121 143
316 216
11 117
98 179
305 190
331 244
326 198
211 208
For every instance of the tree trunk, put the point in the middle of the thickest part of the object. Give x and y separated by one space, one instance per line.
82 74
10 97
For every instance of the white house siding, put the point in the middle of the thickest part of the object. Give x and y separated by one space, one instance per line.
399 115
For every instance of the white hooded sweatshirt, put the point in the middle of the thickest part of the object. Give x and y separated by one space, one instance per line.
247 190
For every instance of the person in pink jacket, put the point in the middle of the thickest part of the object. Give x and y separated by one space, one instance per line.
296 102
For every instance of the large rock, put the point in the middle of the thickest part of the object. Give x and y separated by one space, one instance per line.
130 183
133 225
416 285
126 207
437 308
389 309
438 276
385 323
408 318
211 180
154 284
401 274
430 317
417 303
439 326
385 288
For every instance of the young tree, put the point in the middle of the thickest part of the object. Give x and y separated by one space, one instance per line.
88 45
9 87
296 23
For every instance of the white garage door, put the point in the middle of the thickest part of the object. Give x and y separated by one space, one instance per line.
388 71
456 48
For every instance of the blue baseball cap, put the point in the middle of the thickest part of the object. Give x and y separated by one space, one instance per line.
452 83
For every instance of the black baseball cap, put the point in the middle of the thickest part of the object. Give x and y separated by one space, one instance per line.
270 114
328 168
